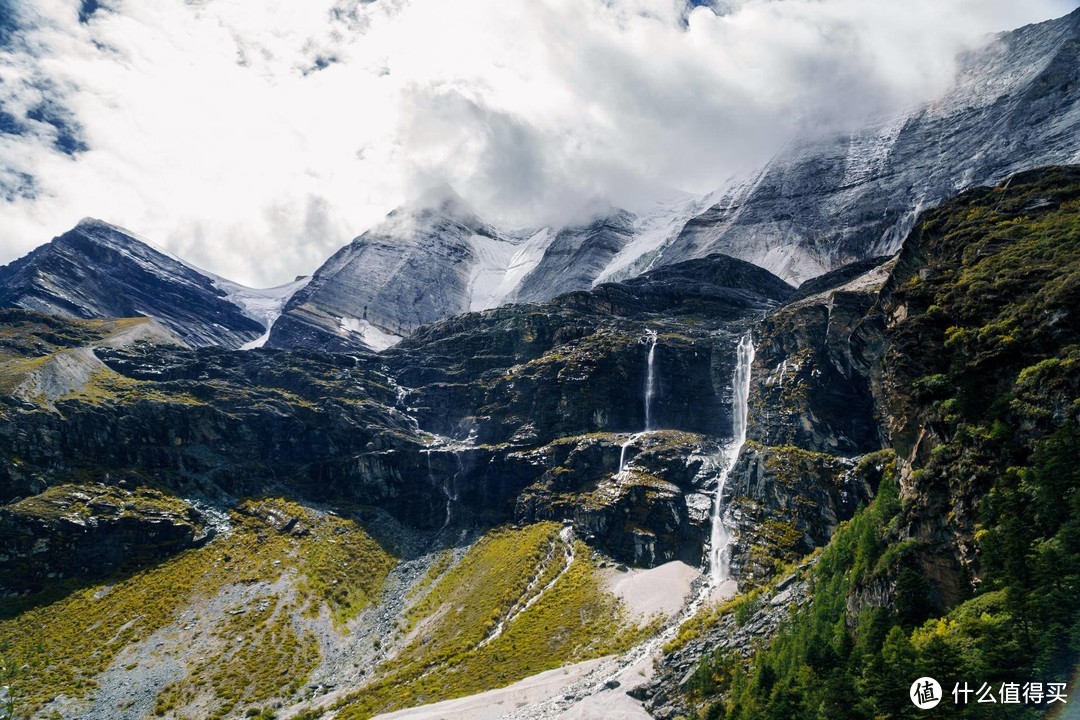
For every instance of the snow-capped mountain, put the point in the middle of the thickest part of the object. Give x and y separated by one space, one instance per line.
818 205
98 270
434 258
425 261
576 256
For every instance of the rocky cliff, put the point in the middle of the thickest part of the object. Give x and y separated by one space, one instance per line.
911 426
458 420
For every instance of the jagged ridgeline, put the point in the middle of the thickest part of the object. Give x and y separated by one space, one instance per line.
203 532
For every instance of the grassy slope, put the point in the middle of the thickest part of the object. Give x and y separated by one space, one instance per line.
62 643
257 651
574 620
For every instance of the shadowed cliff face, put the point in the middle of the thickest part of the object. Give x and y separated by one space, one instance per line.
472 418
89 531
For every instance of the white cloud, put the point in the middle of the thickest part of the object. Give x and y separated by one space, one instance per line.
209 128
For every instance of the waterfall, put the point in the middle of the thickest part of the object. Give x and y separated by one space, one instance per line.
650 393
719 563
450 486
650 380
622 452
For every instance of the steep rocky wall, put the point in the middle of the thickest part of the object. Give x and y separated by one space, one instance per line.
89 531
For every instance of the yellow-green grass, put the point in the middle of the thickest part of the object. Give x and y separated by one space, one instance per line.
69 500
14 371
441 564
574 620
345 569
108 386
66 643
481 589
259 656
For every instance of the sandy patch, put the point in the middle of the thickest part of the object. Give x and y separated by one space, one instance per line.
723 592
661 589
495 704
613 703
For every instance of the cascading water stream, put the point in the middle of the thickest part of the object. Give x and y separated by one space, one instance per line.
649 395
719 562
598 679
622 452
650 380
445 490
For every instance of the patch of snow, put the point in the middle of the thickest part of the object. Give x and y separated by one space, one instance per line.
502 265
264 306
868 151
653 229
374 337
486 275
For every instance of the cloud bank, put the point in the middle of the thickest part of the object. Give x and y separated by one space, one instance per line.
255 137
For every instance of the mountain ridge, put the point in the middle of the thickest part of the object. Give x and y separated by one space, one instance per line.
100 270
814 207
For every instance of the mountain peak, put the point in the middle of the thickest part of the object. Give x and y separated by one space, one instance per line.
93 223
99 270
102 232
437 201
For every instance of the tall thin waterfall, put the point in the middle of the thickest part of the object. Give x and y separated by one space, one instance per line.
719 561
650 380
649 394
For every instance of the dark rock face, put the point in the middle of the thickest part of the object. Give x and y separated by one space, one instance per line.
820 205
539 372
783 502
99 271
88 531
547 386
224 424
506 392
644 514
815 365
